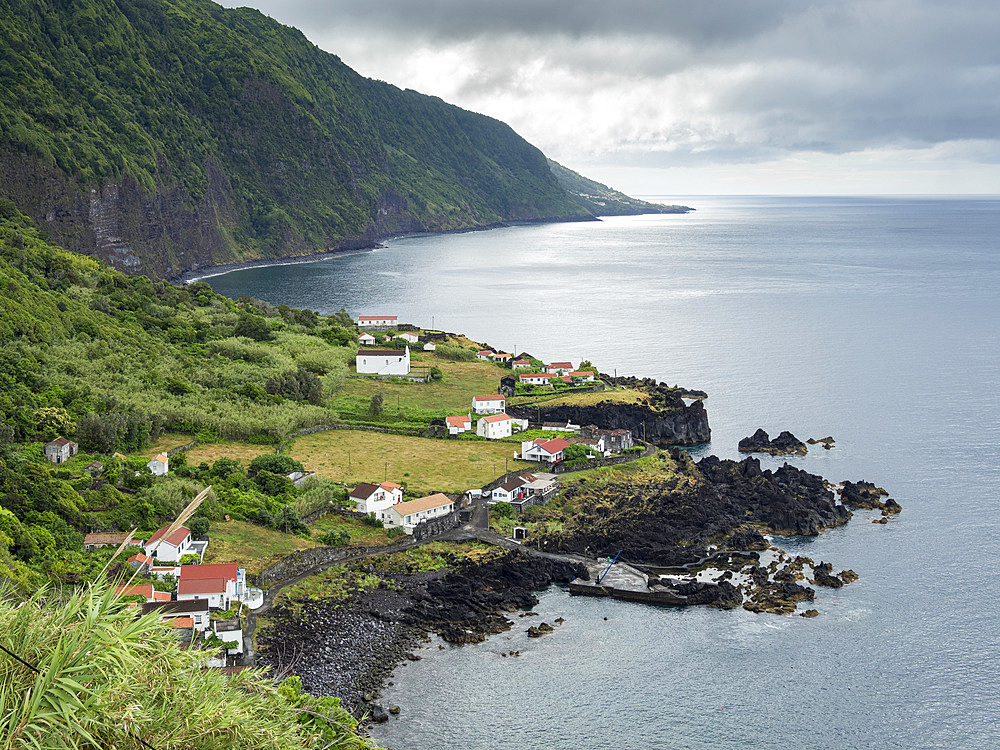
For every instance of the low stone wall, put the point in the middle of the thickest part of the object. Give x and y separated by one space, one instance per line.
303 560
181 448
436 526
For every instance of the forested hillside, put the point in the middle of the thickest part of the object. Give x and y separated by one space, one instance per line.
163 135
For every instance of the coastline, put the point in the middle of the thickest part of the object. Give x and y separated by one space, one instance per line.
194 275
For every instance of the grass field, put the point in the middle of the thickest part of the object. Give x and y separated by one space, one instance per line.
211 452
626 396
253 547
438 398
422 464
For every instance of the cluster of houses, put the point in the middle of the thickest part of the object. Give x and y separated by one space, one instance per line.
494 423
385 361
201 589
385 502
61 450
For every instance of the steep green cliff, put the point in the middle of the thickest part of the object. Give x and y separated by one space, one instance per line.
164 135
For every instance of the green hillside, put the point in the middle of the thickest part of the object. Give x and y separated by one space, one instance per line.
162 135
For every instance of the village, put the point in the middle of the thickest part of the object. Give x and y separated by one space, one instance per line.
205 603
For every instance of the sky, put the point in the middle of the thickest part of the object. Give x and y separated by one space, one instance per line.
658 97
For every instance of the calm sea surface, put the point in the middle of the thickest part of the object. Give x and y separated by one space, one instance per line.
873 320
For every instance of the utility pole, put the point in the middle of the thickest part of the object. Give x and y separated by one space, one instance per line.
348 460
385 476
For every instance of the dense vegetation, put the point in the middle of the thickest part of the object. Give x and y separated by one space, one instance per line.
232 136
605 201
109 679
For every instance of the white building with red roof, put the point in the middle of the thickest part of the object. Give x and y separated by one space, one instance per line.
559 368
584 375
458 425
547 451
377 321
220 584
171 548
495 426
520 363
366 339
407 336
485 354
489 404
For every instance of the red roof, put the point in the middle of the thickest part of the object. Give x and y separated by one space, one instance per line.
496 418
521 362
226 571
181 622
581 373
457 421
61 441
485 352
377 317
175 539
566 379
139 557
139 589
390 486
562 365
553 446
201 586
493 397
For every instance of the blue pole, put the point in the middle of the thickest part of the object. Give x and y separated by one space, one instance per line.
601 577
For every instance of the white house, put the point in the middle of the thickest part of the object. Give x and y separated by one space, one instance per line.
377 321
411 338
510 490
559 368
60 450
548 451
376 498
485 354
413 512
495 426
159 464
458 425
171 548
489 404
502 358
535 378
584 375
366 339
220 584
430 346
520 363
145 590
383 361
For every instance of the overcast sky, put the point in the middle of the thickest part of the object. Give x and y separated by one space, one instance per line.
703 96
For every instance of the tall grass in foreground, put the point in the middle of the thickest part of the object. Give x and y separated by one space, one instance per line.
108 679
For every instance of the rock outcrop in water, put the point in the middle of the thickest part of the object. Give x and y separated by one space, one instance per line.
785 444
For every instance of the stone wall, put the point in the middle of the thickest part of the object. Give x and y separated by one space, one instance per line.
181 448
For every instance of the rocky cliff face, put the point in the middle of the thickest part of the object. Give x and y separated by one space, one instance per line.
677 425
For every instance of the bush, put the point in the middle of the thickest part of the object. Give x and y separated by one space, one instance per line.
253 327
335 538
395 531
503 509
276 463
371 520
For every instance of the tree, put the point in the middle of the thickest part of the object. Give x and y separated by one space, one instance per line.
51 422
375 407
276 463
253 327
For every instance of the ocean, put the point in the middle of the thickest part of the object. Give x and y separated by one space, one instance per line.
874 320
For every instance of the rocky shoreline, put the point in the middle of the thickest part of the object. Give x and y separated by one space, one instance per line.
349 649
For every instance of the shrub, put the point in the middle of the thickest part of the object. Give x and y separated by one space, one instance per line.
276 463
371 520
395 531
335 538
503 509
